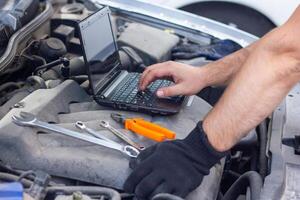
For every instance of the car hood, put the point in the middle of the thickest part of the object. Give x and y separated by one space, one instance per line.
148 12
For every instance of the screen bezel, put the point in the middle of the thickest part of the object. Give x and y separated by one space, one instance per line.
106 78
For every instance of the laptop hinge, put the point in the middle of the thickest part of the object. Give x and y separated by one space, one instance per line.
114 84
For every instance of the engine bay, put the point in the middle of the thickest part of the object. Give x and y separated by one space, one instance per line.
43 72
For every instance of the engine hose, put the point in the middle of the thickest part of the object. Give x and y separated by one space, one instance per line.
12 178
250 179
19 65
7 85
137 63
85 85
37 81
11 99
164 196
88 190
80 78
263 137
7 58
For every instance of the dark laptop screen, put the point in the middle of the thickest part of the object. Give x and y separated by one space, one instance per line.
99 45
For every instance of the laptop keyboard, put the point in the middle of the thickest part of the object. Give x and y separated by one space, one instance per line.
128 91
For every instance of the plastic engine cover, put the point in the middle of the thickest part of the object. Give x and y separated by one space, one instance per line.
152 44
29 148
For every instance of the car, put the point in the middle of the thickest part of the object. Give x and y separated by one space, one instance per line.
43 75
253 16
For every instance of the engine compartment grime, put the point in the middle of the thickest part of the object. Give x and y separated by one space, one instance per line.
71 158
44 73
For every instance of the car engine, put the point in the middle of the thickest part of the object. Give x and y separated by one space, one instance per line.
42 71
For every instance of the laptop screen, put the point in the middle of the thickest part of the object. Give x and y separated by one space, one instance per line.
99 46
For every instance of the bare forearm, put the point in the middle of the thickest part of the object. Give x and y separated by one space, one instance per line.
222 71
244 105
261 84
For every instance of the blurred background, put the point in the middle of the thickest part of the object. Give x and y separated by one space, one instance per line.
254 16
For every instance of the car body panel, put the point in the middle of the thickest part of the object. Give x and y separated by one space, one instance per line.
277 11
283 182
179 19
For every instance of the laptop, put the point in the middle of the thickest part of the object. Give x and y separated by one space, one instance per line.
112 86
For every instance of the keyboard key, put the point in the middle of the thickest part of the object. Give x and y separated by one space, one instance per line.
128 91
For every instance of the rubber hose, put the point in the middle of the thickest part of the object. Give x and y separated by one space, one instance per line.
9 177
85 85
220 196
164 196
50 74
247 143
89 190
36 80
7 58
14 97
7 85
19 66
250 179
80 78
263 137
137 63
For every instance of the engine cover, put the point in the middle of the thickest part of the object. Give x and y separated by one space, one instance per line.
29 148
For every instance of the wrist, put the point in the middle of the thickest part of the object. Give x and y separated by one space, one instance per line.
219 141
205 73
218 73
198 141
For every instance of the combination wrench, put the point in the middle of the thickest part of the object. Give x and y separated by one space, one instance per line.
106 125
28 119
81 125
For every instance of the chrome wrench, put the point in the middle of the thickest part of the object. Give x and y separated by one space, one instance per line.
105 124
28 119
80 125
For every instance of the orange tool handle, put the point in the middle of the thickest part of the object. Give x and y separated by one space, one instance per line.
148 129
155 127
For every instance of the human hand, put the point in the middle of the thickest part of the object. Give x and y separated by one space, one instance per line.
175 167
27 197
188 80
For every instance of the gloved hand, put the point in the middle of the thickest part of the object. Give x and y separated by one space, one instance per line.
175 167
214 51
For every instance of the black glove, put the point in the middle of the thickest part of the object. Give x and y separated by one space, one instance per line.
175 167
214 51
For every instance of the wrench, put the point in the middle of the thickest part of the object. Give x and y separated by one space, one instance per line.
80 125
105 124
28 119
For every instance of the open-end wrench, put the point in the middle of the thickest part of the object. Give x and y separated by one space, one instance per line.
28 119
105 124
80 125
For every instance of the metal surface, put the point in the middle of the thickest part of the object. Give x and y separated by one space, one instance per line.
179 21
28 119
11 49
285 9
121 135
28 148
118 117
132 150
284 180
82 126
